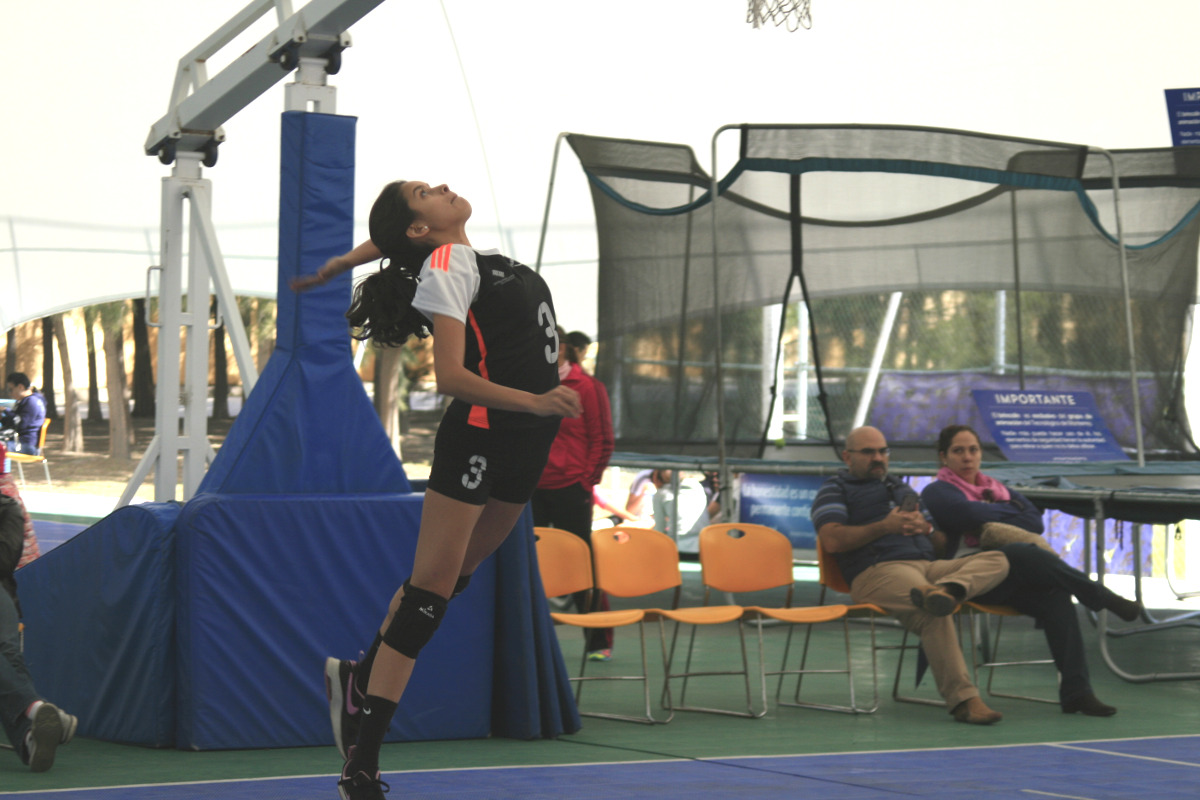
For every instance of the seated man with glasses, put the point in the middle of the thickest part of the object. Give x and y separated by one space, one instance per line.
870 522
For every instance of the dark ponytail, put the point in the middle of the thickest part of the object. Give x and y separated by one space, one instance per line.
381 308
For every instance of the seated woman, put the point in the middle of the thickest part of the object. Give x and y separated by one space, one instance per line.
1039 583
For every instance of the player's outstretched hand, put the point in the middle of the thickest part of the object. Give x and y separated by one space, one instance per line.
559 402
331 268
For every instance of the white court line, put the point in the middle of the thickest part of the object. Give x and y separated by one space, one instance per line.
1127 755
1052 794
658 760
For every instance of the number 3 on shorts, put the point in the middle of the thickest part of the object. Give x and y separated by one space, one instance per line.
546 317
474 473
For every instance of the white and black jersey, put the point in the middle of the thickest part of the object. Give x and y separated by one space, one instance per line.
506 307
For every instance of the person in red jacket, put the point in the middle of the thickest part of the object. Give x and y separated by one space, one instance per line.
580 452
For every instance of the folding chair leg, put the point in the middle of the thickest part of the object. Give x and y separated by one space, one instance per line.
669 658
648 718
853 707
925 701
991 660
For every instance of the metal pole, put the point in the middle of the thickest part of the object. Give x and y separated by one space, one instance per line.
537 265
1017 292
1124 261
723 467
885 336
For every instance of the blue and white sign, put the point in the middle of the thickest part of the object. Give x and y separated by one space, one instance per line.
782 502
1183 110
1047 427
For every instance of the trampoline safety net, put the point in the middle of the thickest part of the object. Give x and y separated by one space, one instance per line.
881 273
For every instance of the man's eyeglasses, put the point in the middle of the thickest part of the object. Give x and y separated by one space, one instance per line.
871 452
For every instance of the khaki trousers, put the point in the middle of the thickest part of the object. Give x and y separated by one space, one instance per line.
887 585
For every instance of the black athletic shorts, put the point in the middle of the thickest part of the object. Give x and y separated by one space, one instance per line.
473 464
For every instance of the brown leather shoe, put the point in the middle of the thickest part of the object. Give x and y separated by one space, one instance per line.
933 600
973 711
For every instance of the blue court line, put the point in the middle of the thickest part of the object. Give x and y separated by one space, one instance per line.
1166 768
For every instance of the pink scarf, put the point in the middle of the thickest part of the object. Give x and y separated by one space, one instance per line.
987 490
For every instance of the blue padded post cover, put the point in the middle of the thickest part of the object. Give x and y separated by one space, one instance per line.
308 425
532 695
272 584
99 625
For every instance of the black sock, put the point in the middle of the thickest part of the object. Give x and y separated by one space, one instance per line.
362 672
376 717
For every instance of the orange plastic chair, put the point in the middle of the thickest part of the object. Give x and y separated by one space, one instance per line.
634 562
565 564
744 557
25 458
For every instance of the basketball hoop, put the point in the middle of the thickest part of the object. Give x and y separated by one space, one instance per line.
795 14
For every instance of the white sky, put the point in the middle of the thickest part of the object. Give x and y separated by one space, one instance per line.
86 79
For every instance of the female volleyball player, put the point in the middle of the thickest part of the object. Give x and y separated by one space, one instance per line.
495 349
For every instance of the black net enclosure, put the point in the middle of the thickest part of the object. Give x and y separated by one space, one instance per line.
878 274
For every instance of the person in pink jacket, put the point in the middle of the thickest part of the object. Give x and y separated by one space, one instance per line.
578 457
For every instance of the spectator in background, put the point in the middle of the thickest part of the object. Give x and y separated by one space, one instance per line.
640 490
692 504
565 497
26 417
34 727
870 523
967 506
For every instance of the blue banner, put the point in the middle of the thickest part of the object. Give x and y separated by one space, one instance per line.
1183 111
1047 427
781 502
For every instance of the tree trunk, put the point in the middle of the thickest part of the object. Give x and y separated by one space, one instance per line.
143 368
264 331
387 395
48 367
73 426
94 414
119 430
10 352
220 362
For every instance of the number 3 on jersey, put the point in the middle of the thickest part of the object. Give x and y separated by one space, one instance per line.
474 473
546 317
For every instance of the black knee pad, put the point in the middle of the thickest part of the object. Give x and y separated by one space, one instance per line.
460 585
415 621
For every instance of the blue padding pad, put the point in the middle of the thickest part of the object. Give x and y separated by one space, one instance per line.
99 625
308 425
533 696
271 585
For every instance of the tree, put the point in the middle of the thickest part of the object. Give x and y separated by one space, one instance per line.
48 367
264 331
112 318
90 315
387 391
220 363
72 426
143 368
10 352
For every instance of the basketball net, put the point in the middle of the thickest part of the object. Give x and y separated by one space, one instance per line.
795 14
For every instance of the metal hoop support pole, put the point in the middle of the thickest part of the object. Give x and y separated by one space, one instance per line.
1133 381
537 265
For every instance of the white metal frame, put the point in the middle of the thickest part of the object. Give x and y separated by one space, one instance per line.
309 42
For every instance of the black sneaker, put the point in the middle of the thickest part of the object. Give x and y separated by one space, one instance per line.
358 785
50 728
345 702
